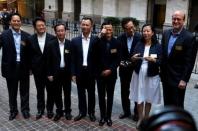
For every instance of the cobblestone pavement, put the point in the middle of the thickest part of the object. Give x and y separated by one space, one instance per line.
20 124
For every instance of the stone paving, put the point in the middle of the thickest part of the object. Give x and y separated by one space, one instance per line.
20 124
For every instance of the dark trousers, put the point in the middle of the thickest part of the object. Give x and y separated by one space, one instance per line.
41 83
62 81
86 82
106 86
125 80
173 96
23 83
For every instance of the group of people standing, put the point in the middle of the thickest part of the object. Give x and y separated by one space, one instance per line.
87 59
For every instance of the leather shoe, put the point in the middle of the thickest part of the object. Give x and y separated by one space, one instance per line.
50 114
68 116
101 122
26 114
92 117
109 122
122 116
57 117
135 117
79 117
39 114
13 115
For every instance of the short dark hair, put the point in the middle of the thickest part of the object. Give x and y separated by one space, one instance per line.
88 18
58 24
38 19
13 14
106 23
125 21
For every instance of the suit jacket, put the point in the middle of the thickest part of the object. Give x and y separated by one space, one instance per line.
153 68
38 59
125 54
8 63
54 57
77 56
107 57
178 64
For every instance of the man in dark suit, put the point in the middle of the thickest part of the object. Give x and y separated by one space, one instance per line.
59 71
177 61
15 65
38 43
128 42
5 19
82 69
108 58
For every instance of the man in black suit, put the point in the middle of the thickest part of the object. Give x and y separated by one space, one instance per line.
107 58
38 44
128 41
15 65
59 70
177 61
82 69
5 19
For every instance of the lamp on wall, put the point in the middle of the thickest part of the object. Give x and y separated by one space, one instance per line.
49 6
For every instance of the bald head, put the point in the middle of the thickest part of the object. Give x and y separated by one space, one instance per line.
178 19
179 13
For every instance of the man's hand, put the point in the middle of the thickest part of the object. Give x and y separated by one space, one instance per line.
182 84
106 73
149 58
50 78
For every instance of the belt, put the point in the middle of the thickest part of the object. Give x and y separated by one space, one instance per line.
84 67
18 62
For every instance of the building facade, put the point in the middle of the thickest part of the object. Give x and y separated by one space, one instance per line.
157 12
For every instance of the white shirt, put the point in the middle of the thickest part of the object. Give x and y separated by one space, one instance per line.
61 47
129 43
17 42
41 41
85 46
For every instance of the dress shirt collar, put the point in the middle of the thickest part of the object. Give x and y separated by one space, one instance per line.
60 42
14 32
89 36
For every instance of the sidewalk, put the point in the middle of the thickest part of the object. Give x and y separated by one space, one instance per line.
20 124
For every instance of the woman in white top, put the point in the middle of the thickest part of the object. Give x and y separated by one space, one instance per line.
145 83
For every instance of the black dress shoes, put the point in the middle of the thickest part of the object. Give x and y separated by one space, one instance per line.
57 117
92 117
26 114
109 122
102 122
39 115
68 116
13 115
50 114
79 117
122 116
135 117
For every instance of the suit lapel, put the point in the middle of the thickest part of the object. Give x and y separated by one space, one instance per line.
37 43
167 37
57 49
11 39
